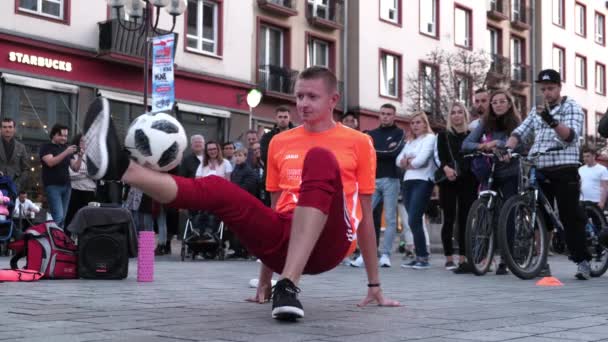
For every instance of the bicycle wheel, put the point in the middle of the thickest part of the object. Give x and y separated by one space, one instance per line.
480 236
595 222
526 254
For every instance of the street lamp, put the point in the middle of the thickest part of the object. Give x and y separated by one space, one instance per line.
141 9
254 97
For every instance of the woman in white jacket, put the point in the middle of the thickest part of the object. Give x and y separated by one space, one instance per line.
416 159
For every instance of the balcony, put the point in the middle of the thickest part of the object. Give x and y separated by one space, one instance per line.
284 8
520 75
276 79
325 14
520 17
497 10
114 39
499 73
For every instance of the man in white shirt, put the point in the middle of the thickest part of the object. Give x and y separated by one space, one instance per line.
24 211
594 179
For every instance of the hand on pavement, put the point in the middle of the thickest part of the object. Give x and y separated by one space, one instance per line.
374 295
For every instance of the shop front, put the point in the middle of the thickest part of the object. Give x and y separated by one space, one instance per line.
42 84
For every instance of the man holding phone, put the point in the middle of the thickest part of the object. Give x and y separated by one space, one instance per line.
55 159
558 120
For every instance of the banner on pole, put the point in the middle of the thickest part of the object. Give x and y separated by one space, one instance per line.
163 88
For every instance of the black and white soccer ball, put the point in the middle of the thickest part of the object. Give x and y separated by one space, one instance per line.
156 141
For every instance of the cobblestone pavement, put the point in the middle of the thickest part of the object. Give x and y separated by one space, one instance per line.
204 301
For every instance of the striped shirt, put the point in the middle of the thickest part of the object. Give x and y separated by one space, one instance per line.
569 113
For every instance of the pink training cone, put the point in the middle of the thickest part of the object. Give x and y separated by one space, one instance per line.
145 257
549 281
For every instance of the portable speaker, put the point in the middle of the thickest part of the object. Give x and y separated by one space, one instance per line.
102 253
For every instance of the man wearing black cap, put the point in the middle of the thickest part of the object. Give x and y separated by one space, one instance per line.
559 122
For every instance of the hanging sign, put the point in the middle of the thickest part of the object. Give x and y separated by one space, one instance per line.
163 89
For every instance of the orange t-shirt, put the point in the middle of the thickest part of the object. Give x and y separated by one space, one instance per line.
353 150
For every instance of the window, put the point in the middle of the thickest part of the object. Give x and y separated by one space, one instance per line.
47 8
318 53
558 13
580 19
600 28
429 20
559 61
517 59
211 127
600 78
203 32
390 11
35 111
580 71
123 113
516 10
271 57
320 8
494 40
598 117
463 88
463 25
390 66
495 6
429 87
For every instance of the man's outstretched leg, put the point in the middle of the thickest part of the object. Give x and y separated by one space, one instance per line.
315 245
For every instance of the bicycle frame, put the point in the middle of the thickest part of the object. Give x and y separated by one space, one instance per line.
533 189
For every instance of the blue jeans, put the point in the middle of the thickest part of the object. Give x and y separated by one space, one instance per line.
58 197
416 196
387 190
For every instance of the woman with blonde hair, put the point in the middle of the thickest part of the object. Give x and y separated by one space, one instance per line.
416 159
458 186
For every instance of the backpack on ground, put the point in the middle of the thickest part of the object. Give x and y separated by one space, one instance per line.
47 249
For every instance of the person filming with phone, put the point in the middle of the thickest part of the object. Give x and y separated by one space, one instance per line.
558 120
55 158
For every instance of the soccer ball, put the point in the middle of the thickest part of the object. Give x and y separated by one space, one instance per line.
156 141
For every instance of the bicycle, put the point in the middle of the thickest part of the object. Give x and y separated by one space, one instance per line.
525 252
480 229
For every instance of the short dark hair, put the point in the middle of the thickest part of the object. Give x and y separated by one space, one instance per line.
354 115
22 192
7 119
282 109
252 131
481 90
319 72
57 128
227 143
389 106
590 149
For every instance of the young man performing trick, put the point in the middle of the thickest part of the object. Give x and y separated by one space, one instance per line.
321 176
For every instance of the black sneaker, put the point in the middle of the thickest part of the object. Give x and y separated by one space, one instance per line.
463 268
106 159
285 303
545 272
502 269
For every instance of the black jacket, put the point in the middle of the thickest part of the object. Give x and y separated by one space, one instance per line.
388 142
455 143
265 141
246 178
189 166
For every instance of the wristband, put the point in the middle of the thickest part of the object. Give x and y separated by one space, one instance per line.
373 285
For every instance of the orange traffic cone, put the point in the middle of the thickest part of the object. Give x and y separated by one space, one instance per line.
549 281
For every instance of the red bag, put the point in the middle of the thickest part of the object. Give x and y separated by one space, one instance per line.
48 250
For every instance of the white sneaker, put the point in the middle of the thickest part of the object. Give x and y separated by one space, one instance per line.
385 261
255 281
357 262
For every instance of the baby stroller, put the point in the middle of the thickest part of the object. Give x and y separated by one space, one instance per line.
203 235
7 226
